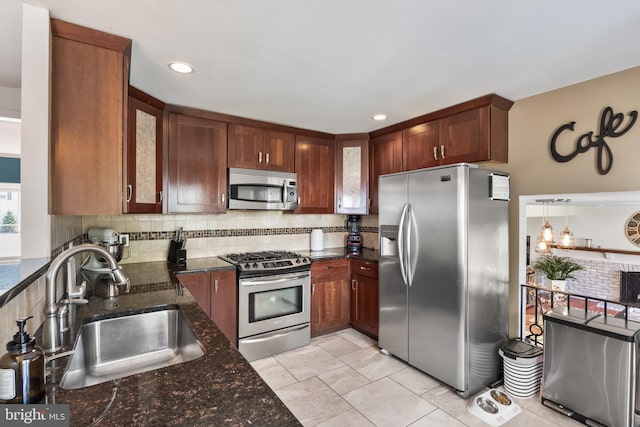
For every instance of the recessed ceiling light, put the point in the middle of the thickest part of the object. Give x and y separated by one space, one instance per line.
181 67
379 117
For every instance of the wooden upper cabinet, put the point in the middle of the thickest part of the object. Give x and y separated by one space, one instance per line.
315 165
475 135
89 82
255 148
280 147
473 131
196 165
143 172
386 158
421 146
352 174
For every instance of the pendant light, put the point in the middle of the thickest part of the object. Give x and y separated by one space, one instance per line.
547 231
541 244
566 237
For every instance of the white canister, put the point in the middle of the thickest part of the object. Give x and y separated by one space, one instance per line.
317 240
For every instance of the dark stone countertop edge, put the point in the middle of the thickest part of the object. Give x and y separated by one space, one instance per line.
365 254
30 270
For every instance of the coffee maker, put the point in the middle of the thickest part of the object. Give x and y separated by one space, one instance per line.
354 240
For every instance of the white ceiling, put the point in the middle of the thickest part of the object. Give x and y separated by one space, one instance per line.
330 65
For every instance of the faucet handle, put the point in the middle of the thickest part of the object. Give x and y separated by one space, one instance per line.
78 291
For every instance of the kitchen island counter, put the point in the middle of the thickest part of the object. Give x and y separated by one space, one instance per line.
219 388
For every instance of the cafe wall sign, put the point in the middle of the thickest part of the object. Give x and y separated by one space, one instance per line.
611 126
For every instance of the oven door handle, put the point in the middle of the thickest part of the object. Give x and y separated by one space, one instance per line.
270 337
262 281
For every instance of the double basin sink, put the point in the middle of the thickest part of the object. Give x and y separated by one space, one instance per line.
118 345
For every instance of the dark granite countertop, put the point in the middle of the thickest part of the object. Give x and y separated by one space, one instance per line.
365 254
220 388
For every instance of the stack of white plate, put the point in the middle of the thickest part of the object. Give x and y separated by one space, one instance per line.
522 375
484 360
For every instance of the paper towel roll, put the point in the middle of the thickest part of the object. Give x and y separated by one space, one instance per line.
317 240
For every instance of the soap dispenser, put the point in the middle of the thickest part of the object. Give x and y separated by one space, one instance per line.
22 370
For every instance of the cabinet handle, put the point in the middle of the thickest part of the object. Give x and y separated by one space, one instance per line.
353 284
215 286
160 195
267 158
129 192
435 153
362 267
222 198
339 202
260 158
442 151
329 267
299 201
313 289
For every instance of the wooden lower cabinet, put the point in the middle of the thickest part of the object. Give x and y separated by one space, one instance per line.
329 296
216 293
364 297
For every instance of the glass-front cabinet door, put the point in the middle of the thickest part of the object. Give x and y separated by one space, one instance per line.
352 174
143 175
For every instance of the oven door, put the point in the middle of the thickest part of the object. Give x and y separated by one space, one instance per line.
270 303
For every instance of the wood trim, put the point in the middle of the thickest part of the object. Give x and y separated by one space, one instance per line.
601 250
67 30
351 136
203 114
494 100
146 98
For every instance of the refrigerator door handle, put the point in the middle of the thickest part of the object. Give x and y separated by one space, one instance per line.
401 246
409 273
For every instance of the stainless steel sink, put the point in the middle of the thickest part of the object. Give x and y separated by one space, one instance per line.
125 344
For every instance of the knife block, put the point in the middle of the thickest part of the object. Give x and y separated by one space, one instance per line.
177 255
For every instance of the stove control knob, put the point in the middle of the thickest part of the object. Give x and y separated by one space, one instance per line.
247 265
297 260
255 265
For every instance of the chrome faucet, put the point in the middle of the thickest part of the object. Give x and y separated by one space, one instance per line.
51 330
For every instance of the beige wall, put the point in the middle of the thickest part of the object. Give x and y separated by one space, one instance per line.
533 120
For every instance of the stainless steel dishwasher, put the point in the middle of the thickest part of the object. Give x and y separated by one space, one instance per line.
590 367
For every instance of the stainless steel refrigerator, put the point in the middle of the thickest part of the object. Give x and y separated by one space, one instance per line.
444 269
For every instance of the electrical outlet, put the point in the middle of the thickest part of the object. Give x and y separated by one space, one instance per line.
124 240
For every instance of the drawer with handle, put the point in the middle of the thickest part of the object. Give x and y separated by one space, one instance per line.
334 266
364 268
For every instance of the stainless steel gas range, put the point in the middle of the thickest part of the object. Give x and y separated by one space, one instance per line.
274 302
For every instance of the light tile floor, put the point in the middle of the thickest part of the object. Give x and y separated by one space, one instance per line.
342 379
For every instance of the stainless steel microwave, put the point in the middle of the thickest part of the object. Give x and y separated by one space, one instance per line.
262 190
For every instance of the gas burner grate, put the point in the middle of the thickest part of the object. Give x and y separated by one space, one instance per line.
260 256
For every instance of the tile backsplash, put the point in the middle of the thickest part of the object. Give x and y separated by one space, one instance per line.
233 232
